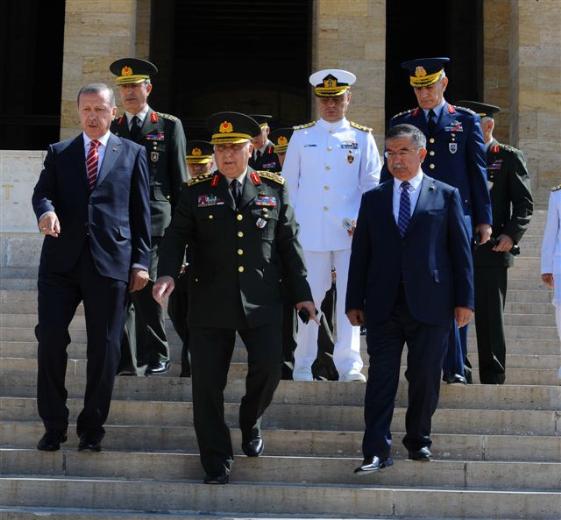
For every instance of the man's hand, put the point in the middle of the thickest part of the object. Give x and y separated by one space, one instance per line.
484 231
163 287
49 224
463 316
504 244
310 307
138 280
547 278
356 317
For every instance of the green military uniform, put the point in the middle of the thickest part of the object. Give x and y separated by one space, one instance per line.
512 204
145 346
239 251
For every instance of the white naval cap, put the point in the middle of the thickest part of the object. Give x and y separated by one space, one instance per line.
331 82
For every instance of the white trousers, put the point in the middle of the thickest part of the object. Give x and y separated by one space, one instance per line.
346 354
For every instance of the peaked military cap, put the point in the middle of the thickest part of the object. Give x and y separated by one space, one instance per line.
199 152
481 109
232 127
280 138
424 72
262 119
331 82
132 70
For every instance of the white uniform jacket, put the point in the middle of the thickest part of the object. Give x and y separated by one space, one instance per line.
328 166
551 245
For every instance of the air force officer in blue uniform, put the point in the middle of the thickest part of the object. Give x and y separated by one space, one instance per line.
455 155
91 203
410 275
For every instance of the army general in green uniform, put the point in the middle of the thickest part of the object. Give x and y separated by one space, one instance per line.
511 199
145 347
242 237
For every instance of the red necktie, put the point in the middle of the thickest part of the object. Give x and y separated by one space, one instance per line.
91 163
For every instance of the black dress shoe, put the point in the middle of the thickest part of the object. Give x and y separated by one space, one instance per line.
51 440
254 446
372 464
454 379
90 441
422 455
221 478
161 367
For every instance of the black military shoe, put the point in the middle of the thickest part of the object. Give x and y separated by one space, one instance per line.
51 440
454 379
90 441
423 454
161 367
372 464
220 479
253 445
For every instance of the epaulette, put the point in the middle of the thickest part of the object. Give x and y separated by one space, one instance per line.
404 112
200 178
360 127
271 176
168 116
508 148
556 188
301 127
464 109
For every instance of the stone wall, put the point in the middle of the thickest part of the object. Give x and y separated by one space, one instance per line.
351 35
96 33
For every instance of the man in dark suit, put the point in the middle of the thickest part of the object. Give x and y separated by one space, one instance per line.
91 202
456 156
411 273
145 345
513 206
242 238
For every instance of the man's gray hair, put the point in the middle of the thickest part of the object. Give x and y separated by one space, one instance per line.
417 137
97 88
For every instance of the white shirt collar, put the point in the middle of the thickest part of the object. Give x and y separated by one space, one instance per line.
335 125
103 140
415 182
265 146
141 115
240 179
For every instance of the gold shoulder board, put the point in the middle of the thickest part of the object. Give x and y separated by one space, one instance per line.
403 113
361 127
271 176
200 178
556 188
168 116
307 125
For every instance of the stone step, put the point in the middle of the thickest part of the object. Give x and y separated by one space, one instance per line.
27 367
309 416
365 500
299 443
491 475
166 388
530 320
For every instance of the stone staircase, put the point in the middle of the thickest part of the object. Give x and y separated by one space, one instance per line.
497 449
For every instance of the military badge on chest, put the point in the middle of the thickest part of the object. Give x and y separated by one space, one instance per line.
155 138
265 202
492 170
452 145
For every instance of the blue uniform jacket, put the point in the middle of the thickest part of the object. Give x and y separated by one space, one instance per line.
114 218
456 155
433 259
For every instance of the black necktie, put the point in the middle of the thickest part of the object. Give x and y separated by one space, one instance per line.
431 123
135 128
257 155
235 187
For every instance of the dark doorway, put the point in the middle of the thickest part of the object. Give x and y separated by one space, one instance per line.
252 56
31 39
452 28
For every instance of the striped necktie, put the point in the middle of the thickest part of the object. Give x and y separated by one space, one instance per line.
91 163
404 208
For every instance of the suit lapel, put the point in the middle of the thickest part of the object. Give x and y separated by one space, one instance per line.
249 191
122 127
112 151
424 201
223 192
446 119
387 205
79 157
148 126
420 121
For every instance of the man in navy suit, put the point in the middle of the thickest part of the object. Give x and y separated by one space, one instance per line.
92 205
410 275
456 156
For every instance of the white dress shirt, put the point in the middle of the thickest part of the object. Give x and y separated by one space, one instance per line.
414 191
141 116
100 149
437 110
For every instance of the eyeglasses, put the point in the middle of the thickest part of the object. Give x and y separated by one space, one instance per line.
400 153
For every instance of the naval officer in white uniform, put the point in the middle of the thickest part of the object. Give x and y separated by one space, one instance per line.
551 253
329 164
